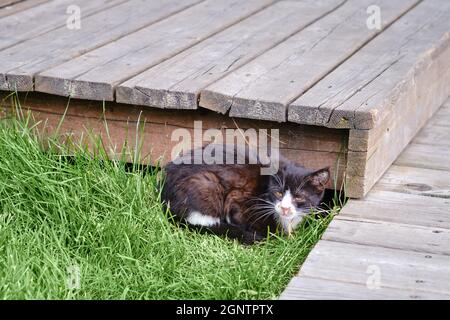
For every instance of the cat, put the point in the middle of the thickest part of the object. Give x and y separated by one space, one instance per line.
235 200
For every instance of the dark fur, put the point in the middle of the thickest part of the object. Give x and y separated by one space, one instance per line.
240 192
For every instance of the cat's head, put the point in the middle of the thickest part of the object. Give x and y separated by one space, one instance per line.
293 191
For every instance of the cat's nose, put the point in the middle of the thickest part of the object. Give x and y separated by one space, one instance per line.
285 211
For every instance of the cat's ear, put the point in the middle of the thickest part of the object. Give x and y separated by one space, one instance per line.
319 179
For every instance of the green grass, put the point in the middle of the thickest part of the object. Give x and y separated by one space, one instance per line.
95 216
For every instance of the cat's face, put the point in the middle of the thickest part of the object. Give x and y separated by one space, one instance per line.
293 191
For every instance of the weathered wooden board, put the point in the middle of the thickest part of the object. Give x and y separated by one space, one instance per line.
418 181
381 145
365 88
304 288
19 6
385 142
387 206
21 62
425 156
4 3
396 238
176 82
389 235
263 88
45 17
95 74
313 147
445 109
442 117
396 269
434 135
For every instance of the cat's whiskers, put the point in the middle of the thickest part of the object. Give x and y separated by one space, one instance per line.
256 205
259 199
258 210
263 209
265 214
261 203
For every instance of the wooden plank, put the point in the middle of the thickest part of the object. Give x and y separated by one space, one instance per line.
21 62
368 140
442 116
384 143
304 288
293 136
389 235
365 88
396 269
365 168
313 147
446 107
425 156
4 3
19 6
177 82
95 74
45 17
434 135
264 87
387 206
381 145
417 181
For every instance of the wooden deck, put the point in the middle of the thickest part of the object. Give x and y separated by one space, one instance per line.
294 63
395 243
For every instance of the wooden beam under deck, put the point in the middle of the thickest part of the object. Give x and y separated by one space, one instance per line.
311 146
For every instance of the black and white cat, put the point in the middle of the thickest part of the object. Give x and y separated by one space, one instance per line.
237 201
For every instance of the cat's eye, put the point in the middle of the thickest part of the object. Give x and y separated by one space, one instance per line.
299 199
278 194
